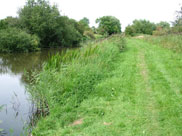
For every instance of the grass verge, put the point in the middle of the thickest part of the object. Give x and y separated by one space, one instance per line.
173 42
67 81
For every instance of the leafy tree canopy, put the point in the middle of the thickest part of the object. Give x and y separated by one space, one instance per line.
40 18
85 21
108 25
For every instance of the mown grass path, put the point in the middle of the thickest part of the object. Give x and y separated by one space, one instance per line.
143 96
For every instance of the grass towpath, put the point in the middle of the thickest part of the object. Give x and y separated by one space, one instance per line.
143 97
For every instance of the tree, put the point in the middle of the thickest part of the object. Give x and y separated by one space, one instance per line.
69 32
144 26
40 18
85 21
178 21
108 25
129 30
163 25
140 27
10 22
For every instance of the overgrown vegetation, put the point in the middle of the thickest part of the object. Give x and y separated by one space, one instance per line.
173 42
69 80
140 27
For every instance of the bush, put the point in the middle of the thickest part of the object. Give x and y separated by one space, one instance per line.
130 31
140 27
16 40
161 31
89 34
176 30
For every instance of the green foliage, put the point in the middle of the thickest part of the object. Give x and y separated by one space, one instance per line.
16 40
140 27
85 21
162 28
108 25
89 34
130 31
176 29
163 25
66 81
68 33
40 18
9 22
159 31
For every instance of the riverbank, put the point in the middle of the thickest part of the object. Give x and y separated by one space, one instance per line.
108 92
68 81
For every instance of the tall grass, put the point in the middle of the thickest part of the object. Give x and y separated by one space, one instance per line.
69 79
173 42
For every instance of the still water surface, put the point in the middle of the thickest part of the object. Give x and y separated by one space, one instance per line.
17 105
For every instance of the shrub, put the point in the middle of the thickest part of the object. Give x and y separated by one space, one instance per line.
161 31
89 34
130 31
140 27
163 25
176 30
16 40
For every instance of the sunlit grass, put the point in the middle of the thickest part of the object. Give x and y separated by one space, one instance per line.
70 79
173 42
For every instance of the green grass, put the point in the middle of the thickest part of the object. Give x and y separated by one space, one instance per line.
136 92
173 41
68 80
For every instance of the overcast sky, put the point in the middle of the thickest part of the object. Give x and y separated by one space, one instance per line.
125 10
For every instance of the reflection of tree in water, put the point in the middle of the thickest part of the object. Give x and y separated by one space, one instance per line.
18 63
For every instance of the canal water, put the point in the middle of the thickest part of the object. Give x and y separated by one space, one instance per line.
15 102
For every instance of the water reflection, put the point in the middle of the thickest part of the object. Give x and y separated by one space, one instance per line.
16 63
17 107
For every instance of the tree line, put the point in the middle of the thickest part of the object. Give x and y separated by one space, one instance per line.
40 25
161 28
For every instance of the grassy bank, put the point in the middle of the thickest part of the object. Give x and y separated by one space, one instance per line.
68 85
101 91
173 42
